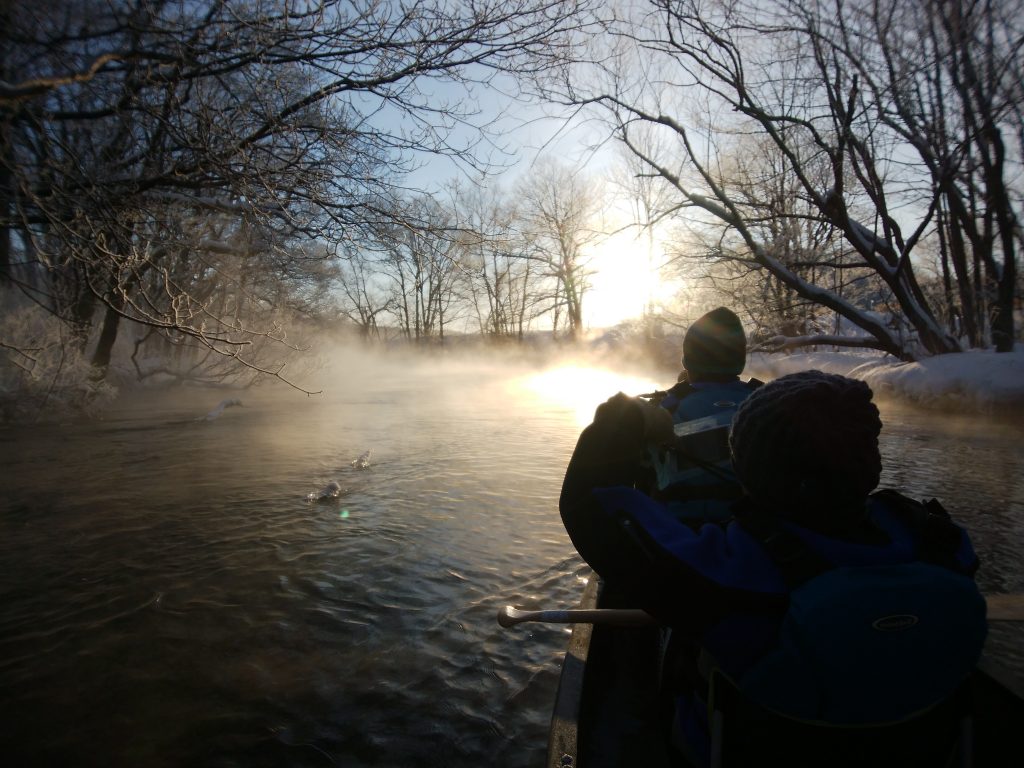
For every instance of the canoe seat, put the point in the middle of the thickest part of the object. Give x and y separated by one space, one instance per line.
746 735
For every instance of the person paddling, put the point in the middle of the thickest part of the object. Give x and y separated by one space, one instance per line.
820 598
673 444
691 470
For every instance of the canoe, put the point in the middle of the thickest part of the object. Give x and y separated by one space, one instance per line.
609 709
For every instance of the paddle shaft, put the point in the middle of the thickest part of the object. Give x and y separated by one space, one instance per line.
1005 607
1001 607
623 617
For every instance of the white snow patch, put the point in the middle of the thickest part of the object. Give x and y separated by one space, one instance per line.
978 379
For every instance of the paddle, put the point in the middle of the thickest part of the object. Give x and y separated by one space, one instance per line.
1002 607
623 617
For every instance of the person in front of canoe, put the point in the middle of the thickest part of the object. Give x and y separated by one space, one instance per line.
692 471
820 598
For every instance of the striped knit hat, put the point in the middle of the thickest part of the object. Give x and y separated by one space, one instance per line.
715 345
809 436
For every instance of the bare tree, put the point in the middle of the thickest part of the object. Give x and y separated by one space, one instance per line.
559 210
821 83
794 235
502 284
951 89
363 298
421 263
652 200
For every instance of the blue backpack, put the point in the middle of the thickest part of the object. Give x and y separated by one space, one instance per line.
869 644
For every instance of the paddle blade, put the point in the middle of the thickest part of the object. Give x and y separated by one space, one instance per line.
509 616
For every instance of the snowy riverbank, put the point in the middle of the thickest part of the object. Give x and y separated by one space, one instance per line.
976 380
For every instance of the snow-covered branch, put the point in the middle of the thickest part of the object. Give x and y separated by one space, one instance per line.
783 343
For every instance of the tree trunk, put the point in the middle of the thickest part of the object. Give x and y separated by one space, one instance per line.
5 228
1002 316
82 310
105 345
968 305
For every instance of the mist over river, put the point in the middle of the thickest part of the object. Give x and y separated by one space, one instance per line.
168 596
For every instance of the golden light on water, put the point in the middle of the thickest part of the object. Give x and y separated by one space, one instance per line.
582 388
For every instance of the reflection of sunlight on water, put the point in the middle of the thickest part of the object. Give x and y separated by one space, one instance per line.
582 388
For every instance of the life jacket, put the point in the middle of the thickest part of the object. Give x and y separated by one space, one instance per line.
693 473
871 643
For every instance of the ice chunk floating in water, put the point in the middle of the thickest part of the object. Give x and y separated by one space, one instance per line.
216 412
363 461
330 491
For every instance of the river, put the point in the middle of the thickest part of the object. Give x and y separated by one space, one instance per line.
169 597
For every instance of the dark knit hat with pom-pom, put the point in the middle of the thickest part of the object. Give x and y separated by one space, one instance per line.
715 345
809 436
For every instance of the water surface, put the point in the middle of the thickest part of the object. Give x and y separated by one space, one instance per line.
168 597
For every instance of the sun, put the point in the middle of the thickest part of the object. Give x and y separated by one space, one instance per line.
624 282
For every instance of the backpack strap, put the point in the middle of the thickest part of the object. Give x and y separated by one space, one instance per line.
938 536
797 562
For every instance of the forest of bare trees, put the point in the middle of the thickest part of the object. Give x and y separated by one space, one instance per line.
204 185
484 259
195 169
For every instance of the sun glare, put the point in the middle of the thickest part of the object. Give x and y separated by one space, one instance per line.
624 282
581 388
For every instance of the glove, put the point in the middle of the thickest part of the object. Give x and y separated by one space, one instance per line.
657 423
633 420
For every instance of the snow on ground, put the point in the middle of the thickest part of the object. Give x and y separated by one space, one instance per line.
977 380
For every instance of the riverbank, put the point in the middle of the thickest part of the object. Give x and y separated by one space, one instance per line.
979 380
975 381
